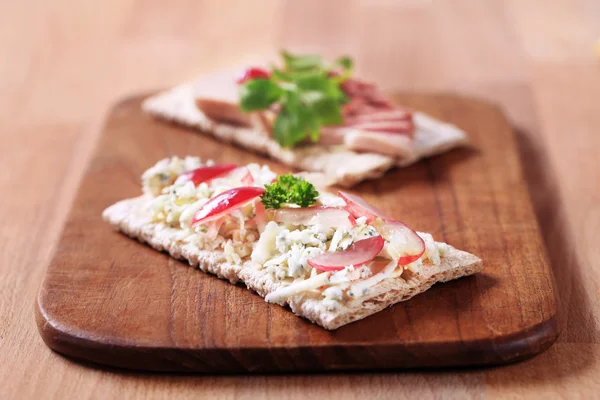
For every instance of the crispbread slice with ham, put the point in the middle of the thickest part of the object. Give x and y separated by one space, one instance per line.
346 154
340 165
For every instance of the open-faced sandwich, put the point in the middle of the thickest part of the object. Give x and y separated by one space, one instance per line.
333 259
311 115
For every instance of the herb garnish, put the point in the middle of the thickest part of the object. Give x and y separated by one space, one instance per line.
306 92
289 189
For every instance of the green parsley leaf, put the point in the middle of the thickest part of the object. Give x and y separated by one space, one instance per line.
289 189
328 111
295 63
303 194
259 94
294 121
345 61
307 91
322 83
274 196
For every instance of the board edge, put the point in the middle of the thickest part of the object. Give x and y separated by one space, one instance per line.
81 345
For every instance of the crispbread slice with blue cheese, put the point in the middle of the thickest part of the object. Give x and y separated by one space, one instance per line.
271 258
328 308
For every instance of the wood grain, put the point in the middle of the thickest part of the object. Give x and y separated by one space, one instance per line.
66 62
109 300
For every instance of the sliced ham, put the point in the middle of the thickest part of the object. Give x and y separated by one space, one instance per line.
391 144
217 96
220 110
371 122
262 121
377 115
368 110
397 127
332 135
357 89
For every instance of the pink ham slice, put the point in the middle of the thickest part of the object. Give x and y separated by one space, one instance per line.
380 116
390 144
398 127
217 96
332 135
372 123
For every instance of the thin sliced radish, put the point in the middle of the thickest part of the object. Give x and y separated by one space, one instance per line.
357 254
207 173
260 217
404 243
330 217
358 207
248 179
213 228
226 202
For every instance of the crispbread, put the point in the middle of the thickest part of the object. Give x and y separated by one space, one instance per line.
339 164
130 217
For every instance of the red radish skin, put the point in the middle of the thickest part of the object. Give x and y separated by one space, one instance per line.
403 241
213 228
405 260
248 179
226 202
358 207
261 216
352 220
401 237
205 174
357 254
253 73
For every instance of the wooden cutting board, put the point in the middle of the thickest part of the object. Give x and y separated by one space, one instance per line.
111 300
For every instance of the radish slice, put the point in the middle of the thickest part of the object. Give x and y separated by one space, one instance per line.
260 217
330 217
248 179
204 174
404 243
357 254
358 207
213 228
226 202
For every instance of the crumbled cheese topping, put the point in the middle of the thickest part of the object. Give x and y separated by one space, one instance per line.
175 202
285 250
432 252
164 173
282 250
312 283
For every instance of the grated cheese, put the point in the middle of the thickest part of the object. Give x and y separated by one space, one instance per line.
282 294
283 250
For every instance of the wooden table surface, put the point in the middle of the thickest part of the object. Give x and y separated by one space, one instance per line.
65 62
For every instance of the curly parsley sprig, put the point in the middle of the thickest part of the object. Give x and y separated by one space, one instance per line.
307 92
289 189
